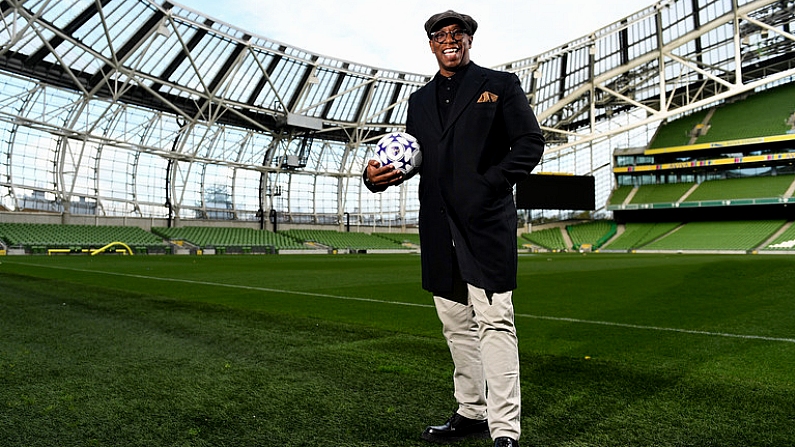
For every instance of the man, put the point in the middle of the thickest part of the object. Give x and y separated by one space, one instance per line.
479 137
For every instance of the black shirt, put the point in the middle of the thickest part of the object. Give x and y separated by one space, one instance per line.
446 89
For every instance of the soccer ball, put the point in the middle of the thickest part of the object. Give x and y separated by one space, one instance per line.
400 150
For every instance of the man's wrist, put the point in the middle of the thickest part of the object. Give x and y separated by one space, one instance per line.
366 179
369 183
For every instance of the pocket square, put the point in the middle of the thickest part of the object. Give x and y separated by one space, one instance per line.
487 97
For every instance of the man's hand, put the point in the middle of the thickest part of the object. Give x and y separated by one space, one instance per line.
382 176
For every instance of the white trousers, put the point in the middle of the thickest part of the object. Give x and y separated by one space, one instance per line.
482 339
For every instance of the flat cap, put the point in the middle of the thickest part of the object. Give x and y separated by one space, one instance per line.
450 16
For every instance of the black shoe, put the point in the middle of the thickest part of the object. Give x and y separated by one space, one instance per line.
505 442
457 428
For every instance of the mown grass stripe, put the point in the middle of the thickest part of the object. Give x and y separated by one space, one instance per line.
401 303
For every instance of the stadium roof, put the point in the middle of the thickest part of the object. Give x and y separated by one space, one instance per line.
150 109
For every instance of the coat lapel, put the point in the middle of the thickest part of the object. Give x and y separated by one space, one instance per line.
431 109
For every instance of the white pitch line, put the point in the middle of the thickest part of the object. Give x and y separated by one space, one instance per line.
657 328
400 303
231 286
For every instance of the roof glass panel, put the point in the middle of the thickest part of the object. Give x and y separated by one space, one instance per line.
608 53
378 109
204 63
13 29
58 13
677 20
345 107
242 78
317 93
162 47
286 80
400 110
265 97
121 21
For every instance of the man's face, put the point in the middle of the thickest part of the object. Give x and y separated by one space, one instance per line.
451 54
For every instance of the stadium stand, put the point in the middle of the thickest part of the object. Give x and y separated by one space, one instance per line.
731 161
592 234
619 195
41 238
339 241
678 132
766 189
549 238
785 241
742 188
637 235
665 193
411 239
762 114
730 235
230 240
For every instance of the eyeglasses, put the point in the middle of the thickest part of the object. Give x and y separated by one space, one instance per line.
441 36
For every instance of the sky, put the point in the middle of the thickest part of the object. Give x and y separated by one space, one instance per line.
389 34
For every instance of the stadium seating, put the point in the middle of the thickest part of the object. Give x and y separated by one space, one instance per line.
653 236
594 233
401 238
224 239
549 238
38 238
784 241
731 235
619 195
666 236
770 110
665 193
762 190
742 188
637 235
677 132
338 240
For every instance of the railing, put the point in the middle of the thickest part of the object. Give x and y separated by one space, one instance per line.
703 203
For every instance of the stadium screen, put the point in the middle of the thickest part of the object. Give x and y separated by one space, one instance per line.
556 192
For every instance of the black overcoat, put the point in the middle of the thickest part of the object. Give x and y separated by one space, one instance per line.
467 220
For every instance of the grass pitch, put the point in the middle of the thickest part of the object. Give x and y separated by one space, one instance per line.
616 350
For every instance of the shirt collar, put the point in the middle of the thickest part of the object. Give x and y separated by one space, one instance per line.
456 77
